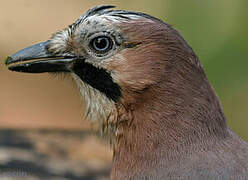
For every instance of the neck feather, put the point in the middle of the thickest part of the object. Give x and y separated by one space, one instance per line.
179 112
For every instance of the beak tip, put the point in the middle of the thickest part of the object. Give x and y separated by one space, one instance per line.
14 68
32 52
8 60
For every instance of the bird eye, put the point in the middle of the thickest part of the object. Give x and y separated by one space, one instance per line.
101 44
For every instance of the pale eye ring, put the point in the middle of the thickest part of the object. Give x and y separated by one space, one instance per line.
101 44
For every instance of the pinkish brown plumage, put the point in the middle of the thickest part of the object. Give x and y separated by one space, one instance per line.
146 88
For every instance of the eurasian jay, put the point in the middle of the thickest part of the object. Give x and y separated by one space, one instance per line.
148 91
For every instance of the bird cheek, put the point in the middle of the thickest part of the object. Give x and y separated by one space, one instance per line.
131 88
129 73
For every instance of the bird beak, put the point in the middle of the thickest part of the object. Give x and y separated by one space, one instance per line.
36 59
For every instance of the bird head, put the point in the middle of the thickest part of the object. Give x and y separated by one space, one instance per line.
120 60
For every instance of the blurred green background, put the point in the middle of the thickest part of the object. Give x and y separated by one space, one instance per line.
216 30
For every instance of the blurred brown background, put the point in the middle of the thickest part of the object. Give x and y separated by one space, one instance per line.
216 30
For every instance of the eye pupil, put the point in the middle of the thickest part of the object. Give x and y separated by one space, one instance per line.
101 44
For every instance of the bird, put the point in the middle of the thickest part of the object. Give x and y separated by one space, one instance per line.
145 87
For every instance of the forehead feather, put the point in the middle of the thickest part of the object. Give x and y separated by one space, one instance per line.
105 12
95 24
